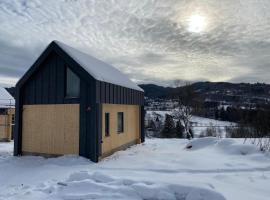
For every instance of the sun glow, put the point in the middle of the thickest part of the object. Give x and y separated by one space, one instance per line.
196 23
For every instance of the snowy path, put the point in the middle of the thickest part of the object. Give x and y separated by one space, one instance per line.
159 169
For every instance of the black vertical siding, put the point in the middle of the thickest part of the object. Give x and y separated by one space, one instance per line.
89 127
111 93
102 92
99 129
115 94
60 85
98 91
18 125
107 92
47 85
83 120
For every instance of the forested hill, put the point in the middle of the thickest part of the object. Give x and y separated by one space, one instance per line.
217 91
156 91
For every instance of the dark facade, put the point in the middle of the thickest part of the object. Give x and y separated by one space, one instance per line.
44 83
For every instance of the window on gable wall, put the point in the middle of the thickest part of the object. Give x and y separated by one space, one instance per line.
72 84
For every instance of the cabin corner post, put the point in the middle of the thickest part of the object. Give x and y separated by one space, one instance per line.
82 131
18 124
99 130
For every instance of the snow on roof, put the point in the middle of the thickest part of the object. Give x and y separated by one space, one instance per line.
6 100
98 69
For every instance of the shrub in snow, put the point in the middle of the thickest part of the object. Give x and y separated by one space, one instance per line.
210 131
238 132
179 129
169 127
202 134
152 125
190 135
154 128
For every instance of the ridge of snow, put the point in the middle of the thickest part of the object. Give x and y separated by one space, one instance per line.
6 100
99 69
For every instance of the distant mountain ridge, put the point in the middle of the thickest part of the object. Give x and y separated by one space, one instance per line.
217 91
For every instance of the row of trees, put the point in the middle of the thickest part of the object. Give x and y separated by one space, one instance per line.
171 128
257 119
175 130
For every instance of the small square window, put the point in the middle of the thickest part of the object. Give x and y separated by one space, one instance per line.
107 124
72 84
120 122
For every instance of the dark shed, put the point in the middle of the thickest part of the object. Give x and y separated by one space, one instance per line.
69 102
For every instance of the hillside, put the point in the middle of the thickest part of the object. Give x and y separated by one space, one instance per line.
218 91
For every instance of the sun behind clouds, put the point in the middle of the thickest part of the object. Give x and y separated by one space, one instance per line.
196 23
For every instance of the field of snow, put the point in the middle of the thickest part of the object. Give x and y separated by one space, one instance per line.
212 169
199 123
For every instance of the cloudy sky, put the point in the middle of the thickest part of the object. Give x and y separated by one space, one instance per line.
152 41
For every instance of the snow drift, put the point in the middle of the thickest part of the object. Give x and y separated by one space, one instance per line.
228 146
82 185
212 169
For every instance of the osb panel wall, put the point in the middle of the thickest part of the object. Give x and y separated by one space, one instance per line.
131 132
50 129
3 127
11 112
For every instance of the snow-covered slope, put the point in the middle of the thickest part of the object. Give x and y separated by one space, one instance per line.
6 100
199 124
213 169
99 69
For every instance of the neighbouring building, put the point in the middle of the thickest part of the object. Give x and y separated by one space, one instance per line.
7 111
69 102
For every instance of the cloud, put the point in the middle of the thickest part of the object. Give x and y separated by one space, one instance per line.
147 40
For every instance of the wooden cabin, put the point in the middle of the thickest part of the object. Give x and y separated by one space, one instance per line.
69 102
7 111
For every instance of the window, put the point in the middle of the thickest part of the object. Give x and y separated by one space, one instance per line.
120 122
107 124
72 84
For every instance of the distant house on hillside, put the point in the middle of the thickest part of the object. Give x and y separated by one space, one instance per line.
7 111
69 102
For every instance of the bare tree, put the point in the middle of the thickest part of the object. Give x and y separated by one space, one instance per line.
186 98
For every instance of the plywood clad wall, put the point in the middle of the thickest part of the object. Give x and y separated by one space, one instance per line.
131 132
3 127
6 125
11 112
50 129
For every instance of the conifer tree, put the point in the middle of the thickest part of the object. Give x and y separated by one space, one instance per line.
179 129
169 127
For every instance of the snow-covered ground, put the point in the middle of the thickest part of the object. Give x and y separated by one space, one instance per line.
212 169
199 124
